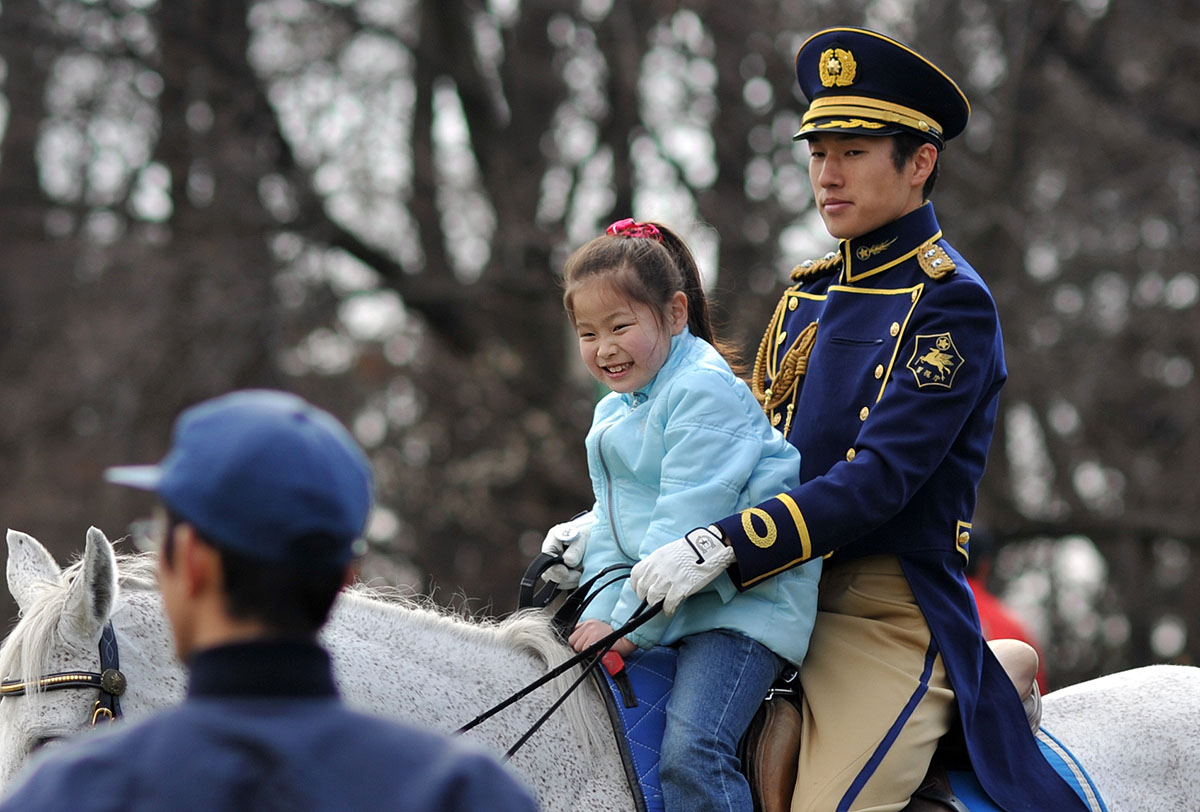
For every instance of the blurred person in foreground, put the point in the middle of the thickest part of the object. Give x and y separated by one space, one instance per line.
263 498
883 365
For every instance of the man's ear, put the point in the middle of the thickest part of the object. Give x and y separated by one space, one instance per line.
197 563
924 159
677 312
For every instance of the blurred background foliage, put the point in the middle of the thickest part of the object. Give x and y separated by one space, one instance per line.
368 202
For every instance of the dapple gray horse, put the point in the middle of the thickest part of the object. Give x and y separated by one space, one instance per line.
1137 732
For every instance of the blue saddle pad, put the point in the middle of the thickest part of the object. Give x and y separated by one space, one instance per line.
651 673
968 790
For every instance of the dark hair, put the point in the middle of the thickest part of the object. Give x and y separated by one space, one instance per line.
904 146
648 272
287 599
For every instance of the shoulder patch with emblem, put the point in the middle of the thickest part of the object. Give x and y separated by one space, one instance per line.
815 268
934 260
935 361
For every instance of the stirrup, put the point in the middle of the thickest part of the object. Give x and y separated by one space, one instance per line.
1033 707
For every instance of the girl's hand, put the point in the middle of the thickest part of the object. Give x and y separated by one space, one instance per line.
592 631
587 633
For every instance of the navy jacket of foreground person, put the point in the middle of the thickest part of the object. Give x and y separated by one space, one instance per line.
263 499
263 730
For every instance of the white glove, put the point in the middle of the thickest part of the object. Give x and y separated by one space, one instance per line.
681 568
570 540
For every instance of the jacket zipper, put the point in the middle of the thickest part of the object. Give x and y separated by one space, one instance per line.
608 488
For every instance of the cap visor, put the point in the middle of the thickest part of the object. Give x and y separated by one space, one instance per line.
144 477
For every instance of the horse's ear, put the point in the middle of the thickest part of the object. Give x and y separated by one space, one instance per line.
93 593
28 563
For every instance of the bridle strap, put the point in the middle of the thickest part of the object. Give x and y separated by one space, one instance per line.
51 682
110 681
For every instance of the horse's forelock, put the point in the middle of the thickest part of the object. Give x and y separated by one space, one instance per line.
27 652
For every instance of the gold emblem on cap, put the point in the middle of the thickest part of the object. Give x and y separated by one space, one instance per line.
837 67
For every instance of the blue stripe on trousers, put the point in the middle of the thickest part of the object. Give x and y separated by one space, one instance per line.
868 770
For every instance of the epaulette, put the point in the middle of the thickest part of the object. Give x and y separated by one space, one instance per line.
934 260
816 268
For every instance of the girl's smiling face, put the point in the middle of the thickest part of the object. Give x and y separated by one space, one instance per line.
623 343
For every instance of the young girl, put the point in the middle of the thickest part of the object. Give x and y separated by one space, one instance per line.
680 441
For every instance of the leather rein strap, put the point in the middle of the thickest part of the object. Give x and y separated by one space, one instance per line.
110 681
589 657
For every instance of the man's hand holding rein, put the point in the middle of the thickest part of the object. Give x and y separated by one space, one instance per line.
681 568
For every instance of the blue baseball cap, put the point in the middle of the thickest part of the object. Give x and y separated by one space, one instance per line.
265 474
864 83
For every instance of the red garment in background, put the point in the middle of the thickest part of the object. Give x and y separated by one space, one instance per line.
1000 622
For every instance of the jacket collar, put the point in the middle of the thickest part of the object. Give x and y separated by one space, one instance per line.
679 348
273 667
886 247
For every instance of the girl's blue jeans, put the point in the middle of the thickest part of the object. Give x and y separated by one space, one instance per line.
721 678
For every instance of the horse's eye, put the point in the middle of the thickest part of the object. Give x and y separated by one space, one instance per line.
45 741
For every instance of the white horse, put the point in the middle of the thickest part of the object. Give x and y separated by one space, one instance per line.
1135 732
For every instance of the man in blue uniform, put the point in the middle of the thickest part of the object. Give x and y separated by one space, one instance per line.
264 497
882 364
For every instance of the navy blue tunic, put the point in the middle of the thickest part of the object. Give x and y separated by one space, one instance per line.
263 729
893 415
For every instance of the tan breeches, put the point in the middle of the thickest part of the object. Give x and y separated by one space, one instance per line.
875 702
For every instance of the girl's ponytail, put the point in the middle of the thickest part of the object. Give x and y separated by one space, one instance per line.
699 316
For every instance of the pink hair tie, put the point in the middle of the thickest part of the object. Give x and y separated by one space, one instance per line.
631 228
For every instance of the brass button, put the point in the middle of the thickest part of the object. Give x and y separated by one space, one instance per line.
850 455
963 538
862 415
879 372
792 303
895 328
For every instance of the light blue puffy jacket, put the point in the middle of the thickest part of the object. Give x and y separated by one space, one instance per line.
691 448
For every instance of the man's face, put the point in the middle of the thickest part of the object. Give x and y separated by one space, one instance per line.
856 185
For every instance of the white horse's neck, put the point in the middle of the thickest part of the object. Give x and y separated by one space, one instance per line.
441 671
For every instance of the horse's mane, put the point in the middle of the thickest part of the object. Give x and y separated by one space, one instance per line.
527 631
28 648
